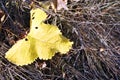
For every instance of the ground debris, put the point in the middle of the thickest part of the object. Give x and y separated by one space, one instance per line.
93 25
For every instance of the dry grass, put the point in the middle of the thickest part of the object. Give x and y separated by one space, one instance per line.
93 25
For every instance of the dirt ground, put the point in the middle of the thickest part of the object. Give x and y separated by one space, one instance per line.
93 25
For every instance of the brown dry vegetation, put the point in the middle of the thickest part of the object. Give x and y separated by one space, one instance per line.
93 25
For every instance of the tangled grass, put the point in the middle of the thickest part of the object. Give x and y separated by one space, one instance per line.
93 25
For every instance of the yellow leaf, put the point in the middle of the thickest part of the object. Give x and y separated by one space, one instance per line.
26 50
23 52
43 41
37 15
51 34
45 50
